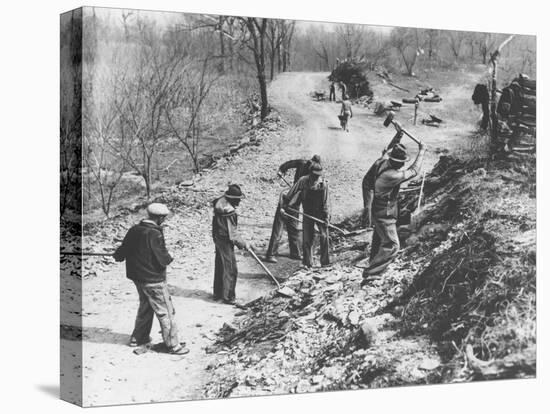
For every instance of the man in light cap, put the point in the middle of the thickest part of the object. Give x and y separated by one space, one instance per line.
226 235
288 219
380 188
146 257
312 192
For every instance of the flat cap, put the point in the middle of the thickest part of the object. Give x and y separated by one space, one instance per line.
158 209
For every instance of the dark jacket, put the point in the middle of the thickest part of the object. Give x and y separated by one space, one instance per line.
302 168
225 223
313 197
145 253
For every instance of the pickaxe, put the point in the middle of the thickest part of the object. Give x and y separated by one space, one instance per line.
389 120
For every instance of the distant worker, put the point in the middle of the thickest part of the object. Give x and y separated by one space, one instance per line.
312 192
332 94
301 167
226 235
380 188
146 257
344 89
346 113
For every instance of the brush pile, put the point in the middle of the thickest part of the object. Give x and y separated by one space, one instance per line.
457 305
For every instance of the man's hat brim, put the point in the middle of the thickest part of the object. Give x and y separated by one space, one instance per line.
316 172
235 197
407 158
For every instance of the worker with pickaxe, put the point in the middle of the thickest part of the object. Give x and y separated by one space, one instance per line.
146 257
312 192
380 189
290 218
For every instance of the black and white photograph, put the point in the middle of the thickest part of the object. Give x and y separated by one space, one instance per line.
258 206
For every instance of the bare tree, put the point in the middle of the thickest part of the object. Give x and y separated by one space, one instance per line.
455 40
352 38
256 30
183 112
433 39
275 35
406 41
70 110
145 95
486 44
288 35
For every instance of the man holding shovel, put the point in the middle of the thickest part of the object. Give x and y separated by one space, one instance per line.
288 219
312 192
380 189
226 235
146 257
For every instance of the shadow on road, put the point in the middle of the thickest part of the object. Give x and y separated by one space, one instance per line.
91 334
191 293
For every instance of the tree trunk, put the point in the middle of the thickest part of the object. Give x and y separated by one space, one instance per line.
222 47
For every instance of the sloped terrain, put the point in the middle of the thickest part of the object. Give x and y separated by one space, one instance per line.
457 305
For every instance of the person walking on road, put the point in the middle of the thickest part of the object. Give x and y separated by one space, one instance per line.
144 251
380 189
332 94
226 236
344 89
346 113
312 192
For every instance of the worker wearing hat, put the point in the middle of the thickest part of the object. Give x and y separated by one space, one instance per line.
301 166
144 251
380 188
226 236
312 192
290 218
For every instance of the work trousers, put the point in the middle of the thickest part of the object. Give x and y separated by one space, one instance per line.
308 228
154 299
384 246
332 96
225 270
292 229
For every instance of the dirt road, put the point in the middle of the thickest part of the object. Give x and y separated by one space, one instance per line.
112 374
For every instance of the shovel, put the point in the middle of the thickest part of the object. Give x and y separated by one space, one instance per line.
332 226
416 213
283 178
284 291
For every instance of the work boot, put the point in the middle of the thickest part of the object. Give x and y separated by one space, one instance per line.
134 343
270 259
179 350
295 257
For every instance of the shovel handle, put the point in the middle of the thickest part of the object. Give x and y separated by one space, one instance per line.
263 267
283 178
318 220
421 190
400 128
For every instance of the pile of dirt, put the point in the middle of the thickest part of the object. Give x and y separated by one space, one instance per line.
463 289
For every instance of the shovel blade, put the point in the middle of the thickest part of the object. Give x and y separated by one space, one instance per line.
286 291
